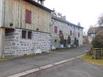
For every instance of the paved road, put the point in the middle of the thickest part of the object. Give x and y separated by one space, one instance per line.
20 65
75 68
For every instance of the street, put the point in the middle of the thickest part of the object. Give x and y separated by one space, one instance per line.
51 39
20 65
75 68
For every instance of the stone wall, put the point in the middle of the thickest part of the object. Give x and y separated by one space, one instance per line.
15 45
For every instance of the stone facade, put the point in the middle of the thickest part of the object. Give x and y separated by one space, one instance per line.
59 23
28 15
27 27
16 45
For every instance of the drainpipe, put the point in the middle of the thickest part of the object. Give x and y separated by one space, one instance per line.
2 31
2 40
20 13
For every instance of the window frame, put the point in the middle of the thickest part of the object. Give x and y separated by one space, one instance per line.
29 35
24 34
55 29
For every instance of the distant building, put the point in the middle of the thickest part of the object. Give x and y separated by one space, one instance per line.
64 33
91 33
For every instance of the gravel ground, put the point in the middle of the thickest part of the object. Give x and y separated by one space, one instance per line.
22 64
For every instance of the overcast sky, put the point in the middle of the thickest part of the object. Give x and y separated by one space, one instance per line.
84 11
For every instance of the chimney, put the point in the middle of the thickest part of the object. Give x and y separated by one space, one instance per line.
41 2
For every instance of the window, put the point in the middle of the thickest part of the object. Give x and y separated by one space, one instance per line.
70 32
28 16
26 34
60 32
9 31
29 34
78 34
55 40
23 34
55 29
37 29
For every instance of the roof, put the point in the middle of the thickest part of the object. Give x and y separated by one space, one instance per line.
65 21
39 5
92 30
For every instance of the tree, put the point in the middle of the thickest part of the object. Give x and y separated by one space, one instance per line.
98 40
97 44
100 20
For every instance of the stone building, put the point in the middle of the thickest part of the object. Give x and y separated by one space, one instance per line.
24 27
27 27
65 33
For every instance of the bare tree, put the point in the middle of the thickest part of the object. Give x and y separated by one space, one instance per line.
100 20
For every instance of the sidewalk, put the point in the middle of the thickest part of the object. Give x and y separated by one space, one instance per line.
23 64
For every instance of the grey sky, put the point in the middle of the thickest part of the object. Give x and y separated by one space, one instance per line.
84 11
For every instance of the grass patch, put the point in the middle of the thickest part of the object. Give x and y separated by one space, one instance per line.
3 59
90 60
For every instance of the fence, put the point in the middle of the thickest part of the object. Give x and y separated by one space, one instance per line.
97 53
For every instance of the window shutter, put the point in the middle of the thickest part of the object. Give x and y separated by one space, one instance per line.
28 16
55 29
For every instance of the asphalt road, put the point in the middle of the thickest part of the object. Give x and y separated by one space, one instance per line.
76 68
20 65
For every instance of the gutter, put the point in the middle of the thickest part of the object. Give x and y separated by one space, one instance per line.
39 5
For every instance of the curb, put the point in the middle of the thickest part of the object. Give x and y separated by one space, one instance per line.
44 67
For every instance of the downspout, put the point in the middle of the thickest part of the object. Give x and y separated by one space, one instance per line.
3 25
3 12
20 14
